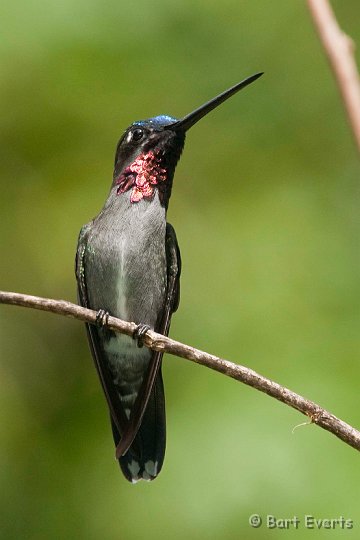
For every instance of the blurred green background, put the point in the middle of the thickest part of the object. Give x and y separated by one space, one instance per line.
265 205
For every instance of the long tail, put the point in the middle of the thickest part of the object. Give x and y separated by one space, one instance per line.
144 459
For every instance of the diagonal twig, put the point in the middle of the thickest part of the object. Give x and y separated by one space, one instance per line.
158 342
339 49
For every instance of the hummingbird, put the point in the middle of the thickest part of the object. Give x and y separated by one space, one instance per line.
128 265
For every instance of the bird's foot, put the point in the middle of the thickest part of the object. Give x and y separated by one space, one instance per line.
139 333
102 318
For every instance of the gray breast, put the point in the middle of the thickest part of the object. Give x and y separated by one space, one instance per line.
126 261
125 266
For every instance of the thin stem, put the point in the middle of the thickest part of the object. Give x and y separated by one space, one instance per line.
339 49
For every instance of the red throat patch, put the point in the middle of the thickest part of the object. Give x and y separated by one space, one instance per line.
142 176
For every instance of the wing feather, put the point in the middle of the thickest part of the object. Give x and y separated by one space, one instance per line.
115 406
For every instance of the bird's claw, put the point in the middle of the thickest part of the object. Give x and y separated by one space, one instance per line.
139 333
102 318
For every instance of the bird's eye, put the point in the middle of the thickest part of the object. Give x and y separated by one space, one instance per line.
137 134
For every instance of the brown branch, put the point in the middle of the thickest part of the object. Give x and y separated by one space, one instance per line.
158 342
340 52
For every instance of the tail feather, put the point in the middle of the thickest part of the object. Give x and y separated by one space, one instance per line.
144 459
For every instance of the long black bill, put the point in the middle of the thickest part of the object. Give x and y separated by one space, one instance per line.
190 119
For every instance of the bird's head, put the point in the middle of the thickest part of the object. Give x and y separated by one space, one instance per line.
148 151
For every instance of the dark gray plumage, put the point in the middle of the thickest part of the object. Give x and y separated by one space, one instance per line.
128 264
